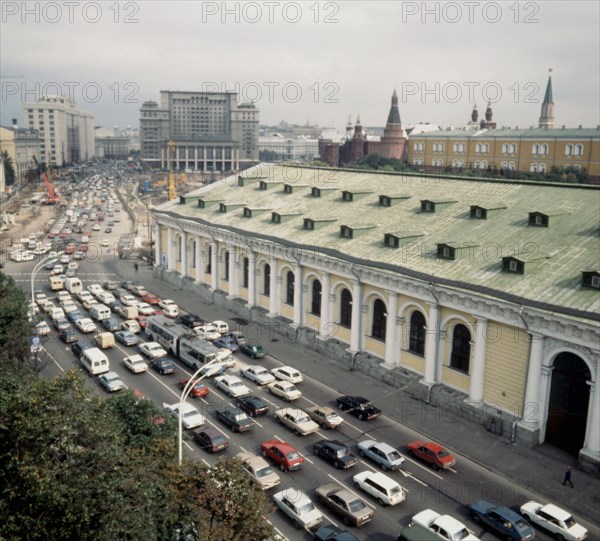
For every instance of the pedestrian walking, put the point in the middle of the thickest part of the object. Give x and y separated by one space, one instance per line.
567 478
135 266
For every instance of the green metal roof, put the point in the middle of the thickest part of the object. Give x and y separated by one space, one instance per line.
571 244
508 133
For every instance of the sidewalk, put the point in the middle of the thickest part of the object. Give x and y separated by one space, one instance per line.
537 470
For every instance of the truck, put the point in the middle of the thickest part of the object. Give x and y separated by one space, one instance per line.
105 340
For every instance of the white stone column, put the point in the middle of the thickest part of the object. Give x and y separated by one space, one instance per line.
157 254
298 294
591 446
196 158
400 326
170 251
274 287
478 363
234 288
214 267
432 343
199 261
355 329
251 278
532 403
183 254
326 325
391 342
204 157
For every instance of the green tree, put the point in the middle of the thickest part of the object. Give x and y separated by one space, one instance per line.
14 329
9 169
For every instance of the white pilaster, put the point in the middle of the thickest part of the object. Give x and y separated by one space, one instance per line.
199 261
214 277
531 405
170 251
391 342
234 288
591 446
477 372
355 329
325 327
431 345
298 294
183 254
157 254
251 279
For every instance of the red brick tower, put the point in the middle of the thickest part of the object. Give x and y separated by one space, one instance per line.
393 141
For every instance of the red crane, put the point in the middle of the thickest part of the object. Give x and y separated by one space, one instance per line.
53 197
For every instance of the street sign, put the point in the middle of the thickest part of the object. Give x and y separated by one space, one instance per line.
35 343
164 261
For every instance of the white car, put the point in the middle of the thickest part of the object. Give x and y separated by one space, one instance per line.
167 302
226 357
287 373
57 269
286 390
258 374
42 328
63 296
297 420
153 350
105 243
85 325
88 303
128 300
232 385
131 325
40 298
145 309
136 364
64 259
207 332
298 506
171 311
453 530
111 382
554 519
84 296
259 469
94 289
190 416
383 454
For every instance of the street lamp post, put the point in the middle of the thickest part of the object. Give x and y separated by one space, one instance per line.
186 391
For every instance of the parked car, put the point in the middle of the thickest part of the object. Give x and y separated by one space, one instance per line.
198 388
235 419
135 363
336 453
259 470
285 390
254 351
190 416
383 454
299 508
126 338
353 510
211 439
111 382
297 420
252 405
504 523
163 365
283 454
444 526
287 373
432 453
325 416
258 374
358 406
231 385
152 350
554 519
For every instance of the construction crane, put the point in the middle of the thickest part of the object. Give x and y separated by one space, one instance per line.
53 197
171 152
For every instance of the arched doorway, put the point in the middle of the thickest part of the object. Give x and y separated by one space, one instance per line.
568 404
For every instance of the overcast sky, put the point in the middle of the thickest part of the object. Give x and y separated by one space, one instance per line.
309 61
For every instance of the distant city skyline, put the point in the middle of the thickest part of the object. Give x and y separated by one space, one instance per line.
320 61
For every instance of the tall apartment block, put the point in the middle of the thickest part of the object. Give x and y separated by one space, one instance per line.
211 131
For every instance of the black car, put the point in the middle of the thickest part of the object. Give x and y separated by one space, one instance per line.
116 307
358 406
78 347
74 316
119 292
127 284
336 453
333 533
236 419
111 324
190 320
211 439
253 405
68 336
163 365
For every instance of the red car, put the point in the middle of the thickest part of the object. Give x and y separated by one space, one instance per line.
83 247
282 454
141 321
52 235
151 299
430 452
198 390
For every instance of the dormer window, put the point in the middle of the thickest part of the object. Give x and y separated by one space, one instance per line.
537 219
287 189
478 212
275 218
445 252
385 201
262 185
222 207
346 232
315 192
427 206
590 279
347 196
510 264
309 224
201 203
391 241
247 213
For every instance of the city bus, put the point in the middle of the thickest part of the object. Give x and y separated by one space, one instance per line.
166 332
196 352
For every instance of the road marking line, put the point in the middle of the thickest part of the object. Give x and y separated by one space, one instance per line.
424 468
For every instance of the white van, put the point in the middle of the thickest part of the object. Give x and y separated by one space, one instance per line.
221 326
383 488
100 311
56 283
94 361
73 285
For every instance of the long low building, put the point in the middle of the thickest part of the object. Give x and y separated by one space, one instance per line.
477 294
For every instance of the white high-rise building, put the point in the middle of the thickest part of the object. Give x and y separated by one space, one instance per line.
67 132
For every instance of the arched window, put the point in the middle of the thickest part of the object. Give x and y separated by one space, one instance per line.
505 149
535 149
194 250
226 266
544 149
512 166
346 308
542 167
461 349
208 268
478 147
246 268
379 320
485 147
289 288
533 167
267 280
417 333
179 248
315 304
484 164
569 150
578 150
